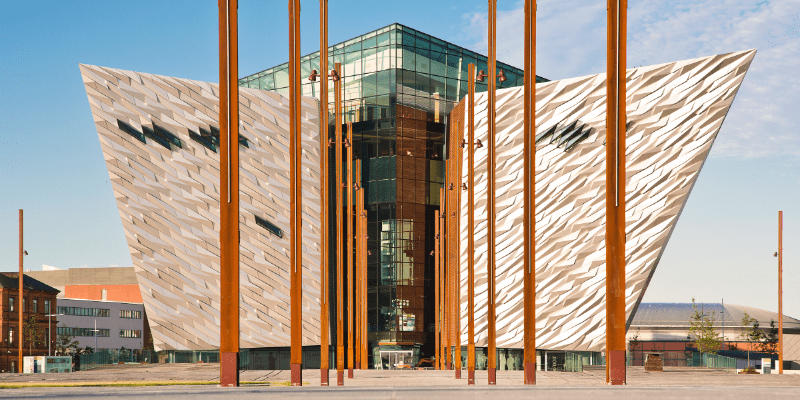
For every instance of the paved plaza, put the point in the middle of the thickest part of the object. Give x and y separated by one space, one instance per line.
673 383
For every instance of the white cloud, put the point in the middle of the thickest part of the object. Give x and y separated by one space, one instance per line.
571 42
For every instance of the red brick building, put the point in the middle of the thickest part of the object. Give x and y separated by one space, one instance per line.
38 301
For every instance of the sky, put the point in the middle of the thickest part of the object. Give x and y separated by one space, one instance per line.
51 164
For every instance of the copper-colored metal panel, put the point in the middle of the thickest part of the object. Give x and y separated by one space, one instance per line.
529 173
349 203
457 239
490 198
337 90
325 236
615 191
296 196
470 120
229 196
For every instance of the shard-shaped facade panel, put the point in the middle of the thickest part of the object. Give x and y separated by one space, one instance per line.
160 140
675 111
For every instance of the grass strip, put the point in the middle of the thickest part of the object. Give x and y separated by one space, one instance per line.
20 385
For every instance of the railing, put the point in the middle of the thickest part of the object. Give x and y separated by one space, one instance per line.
717 361
106 357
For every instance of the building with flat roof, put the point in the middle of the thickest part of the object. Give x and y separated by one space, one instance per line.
112 283
103 324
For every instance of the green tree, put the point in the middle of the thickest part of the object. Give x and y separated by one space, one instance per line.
33 334
64 341
701 327
750 333
770 344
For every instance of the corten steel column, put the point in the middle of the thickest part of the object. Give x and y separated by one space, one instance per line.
529 176
20 284
615 193
229 193
337 89
780 292
349 212
324 318
490 193
356 218
364 299
436 294
296 195
470 119
444 277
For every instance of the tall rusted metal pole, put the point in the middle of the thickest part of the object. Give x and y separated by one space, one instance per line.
20 305
436 293
296 196
356 217
780 292
444 278
490 193
529 176
364 299
470 119
325 323
337 89
615 192
229 192
349 213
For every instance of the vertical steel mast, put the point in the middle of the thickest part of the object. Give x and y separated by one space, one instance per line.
780 292
296 196
529 176
490 193
324 134
356 217
459 160
615 192
20 307
436 293
337 89
471 225
349 235
229 192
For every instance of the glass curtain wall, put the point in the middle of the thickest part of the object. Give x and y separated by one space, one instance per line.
399 85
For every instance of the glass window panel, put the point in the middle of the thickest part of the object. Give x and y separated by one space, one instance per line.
422 62
438 86
435 171
453 66
387 191
395 37
369 60
368 85
423 83
282 79
453 90
266 82
383 39
383 57
408 57
385 82
433 194
409 78
422 43
305 69
352 88
352 45
367 43
438 64
406 39
352 63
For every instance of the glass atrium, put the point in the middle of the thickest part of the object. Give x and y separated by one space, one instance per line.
399 86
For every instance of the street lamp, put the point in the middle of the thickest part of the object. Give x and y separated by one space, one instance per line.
50 331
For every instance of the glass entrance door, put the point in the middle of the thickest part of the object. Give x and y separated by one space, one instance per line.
396 359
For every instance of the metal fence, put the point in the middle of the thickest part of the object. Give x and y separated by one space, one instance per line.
726 364
106 357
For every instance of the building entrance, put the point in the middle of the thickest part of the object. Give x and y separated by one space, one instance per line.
396 359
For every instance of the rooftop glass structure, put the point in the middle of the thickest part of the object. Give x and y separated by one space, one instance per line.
399 85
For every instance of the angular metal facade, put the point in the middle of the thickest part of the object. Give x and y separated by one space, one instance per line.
160 138
674 110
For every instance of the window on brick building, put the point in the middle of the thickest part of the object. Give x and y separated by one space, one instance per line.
47 306
35 306
10 304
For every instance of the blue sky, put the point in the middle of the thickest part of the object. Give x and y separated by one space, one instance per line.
51 164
